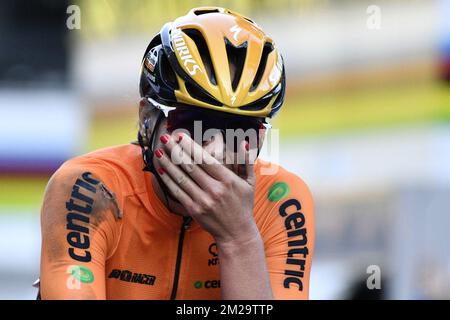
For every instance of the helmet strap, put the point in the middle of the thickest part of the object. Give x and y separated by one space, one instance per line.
148 153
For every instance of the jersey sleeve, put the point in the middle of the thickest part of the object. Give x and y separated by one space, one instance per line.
287 229
80 226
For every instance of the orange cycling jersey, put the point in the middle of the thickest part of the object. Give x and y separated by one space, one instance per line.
107 235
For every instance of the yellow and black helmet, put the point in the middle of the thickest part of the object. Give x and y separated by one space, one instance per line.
217 59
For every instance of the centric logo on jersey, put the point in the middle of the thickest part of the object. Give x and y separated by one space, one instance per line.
295 223
208 284
278 191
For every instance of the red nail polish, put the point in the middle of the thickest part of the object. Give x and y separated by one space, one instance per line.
161 170
158 153
164 138
247 146
180 137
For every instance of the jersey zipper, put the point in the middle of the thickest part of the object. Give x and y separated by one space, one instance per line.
184 226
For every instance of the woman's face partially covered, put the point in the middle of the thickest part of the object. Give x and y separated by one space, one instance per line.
223 145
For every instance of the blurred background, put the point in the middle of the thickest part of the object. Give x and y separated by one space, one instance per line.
366 124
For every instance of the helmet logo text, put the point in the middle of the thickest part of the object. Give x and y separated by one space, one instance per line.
180 46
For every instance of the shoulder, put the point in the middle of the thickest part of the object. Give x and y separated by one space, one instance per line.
81 205
117 167
115 157
283 201
82 189
275 183
88 183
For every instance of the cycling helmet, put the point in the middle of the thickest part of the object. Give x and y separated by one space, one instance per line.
217 59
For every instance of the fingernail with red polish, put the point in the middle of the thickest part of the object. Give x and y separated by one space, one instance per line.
158 153
161 171
164 138
247 146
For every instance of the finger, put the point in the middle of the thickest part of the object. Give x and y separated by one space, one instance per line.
180 157
173 188
246 168
179 177
202 158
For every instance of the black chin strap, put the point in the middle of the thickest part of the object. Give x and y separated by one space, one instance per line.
147 155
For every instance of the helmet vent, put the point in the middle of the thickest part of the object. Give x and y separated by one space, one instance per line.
202 47
268 48
167 73
257 105
236 60
205 11
197 93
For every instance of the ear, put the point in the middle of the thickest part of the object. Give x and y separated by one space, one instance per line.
148 116
144 120
142 110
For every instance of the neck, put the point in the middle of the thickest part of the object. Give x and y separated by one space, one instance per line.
172 206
